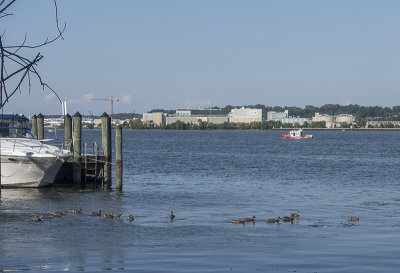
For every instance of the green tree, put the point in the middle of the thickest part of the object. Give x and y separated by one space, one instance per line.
136 124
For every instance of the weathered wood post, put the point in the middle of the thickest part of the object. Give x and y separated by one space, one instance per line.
34 126
68 130
77 144
40 126
106 145
118 158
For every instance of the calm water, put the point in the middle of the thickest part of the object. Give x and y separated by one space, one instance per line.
209 178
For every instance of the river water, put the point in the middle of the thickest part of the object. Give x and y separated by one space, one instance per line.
209 178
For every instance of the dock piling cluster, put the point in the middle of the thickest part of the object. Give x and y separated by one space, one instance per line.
92 168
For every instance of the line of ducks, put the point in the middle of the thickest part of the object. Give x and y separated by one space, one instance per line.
130 218
111 215
286 219
272 220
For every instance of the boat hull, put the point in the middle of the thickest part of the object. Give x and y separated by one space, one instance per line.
27 171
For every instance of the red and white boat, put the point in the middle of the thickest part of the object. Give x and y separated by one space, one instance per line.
296 134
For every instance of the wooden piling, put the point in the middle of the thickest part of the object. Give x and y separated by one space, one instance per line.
118 158
40 126
68 130
77 144
106 145
34 126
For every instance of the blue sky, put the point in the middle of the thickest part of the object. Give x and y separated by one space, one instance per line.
187 54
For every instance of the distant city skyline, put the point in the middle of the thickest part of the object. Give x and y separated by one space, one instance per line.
190 54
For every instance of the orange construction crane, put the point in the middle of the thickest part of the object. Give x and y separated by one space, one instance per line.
111 100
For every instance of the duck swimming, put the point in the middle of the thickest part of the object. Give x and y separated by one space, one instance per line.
95 213
287 219
110 215
353 218
249 219
295 214
76 211
57 214
129 218
172 216
38 218
274 220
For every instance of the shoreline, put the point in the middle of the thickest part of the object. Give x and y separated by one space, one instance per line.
276 129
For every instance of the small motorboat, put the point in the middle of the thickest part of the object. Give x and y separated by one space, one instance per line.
296 134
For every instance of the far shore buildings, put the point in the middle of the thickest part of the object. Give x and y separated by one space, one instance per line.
240 115
330 121
245 115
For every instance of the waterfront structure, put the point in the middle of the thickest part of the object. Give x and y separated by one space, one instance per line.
157 118
294 120
186 113
349 119
215 119
277 116
97 122
53 122
328 119
382 124
333 121
185 119
241 115
87 121
245 115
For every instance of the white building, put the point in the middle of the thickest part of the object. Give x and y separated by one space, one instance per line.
245 115
349 119
186 119
186 113
298 120
277 116
333 121
157 118
53 122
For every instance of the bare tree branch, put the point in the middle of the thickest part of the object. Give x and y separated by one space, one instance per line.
22 67
7 6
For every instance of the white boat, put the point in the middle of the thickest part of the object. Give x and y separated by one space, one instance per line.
25 161
296 134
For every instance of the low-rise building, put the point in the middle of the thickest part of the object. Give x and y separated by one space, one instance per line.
329 120
277 116
245 115
157 118
97 122
186 113
53 122
349 119
185 119
333 121
87 121
382 124
294 120
217 119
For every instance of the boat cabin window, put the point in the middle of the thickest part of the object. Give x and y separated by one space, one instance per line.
18 128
